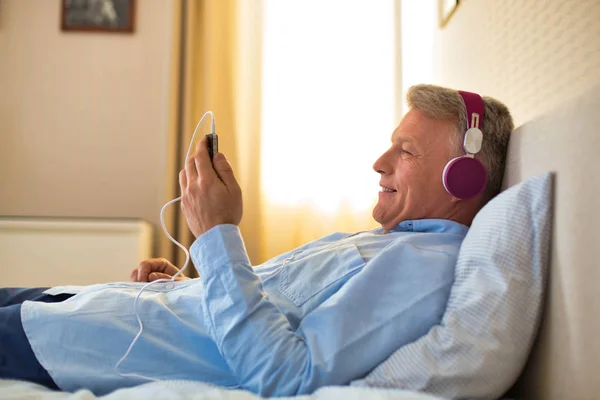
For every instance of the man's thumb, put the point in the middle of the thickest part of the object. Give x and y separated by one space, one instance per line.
224 170
157 275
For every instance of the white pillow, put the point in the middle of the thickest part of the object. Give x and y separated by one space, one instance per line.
485 336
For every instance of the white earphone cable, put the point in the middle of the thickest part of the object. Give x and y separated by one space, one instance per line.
182 247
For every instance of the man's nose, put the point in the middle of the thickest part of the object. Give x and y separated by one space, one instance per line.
381 165
384 165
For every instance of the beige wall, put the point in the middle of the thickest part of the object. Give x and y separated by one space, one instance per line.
83 116
531 54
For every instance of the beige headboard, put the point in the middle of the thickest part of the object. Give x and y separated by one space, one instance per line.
565 362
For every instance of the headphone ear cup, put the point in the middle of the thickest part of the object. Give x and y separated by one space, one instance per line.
464 177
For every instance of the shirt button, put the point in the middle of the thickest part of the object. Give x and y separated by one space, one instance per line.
169 286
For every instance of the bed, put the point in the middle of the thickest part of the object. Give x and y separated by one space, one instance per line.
565 361
566 356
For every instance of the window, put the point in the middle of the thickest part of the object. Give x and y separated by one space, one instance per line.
328 100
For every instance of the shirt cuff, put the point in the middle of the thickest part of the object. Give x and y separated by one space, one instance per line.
220 245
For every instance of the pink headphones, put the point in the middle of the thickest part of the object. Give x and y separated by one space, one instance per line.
465 177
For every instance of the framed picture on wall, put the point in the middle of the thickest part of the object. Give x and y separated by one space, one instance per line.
98 15
446 9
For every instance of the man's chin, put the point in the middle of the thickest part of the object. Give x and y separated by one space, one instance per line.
386 223
379 216
376 214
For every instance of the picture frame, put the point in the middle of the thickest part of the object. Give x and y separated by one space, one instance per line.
446 9
115 16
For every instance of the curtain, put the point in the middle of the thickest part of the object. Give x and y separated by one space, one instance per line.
219 70
305 100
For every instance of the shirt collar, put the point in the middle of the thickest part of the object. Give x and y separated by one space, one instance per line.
431 225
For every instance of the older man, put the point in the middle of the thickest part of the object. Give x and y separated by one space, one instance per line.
325 313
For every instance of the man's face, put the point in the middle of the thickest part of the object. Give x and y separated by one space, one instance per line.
411 171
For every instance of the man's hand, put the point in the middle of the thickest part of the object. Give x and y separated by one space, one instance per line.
210 196
155 268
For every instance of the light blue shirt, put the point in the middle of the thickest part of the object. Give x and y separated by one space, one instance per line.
324 314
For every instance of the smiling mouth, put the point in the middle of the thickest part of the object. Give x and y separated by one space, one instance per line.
386 190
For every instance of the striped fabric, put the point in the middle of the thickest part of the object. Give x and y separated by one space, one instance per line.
484 339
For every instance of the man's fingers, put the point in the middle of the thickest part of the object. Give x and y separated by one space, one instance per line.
182 180
202 159
143 270
190 171
168 268
225 172
148 267
157 275
133 275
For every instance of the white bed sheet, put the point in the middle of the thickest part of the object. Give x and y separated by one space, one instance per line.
188 390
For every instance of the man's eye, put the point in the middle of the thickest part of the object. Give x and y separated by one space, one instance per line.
407 152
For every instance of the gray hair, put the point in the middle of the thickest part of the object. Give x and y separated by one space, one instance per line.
443 103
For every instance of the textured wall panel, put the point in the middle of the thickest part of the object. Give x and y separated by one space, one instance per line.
531 54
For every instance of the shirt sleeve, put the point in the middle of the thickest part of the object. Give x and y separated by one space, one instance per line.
341 340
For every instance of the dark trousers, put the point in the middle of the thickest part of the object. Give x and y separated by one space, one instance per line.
17 360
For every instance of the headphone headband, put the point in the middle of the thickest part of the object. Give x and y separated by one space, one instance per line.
474 105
